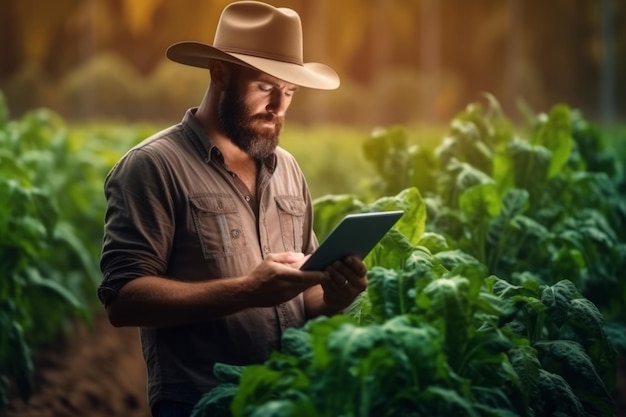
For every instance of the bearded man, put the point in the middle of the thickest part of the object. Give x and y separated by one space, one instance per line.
208 221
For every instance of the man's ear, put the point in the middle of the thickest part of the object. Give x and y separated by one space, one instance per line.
219 73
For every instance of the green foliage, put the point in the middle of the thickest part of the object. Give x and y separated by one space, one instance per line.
488 298
436 335
51 207
498 293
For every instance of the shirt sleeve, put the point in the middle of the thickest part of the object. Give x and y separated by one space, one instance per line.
139 222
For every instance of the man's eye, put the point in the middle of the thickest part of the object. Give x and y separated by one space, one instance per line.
266 88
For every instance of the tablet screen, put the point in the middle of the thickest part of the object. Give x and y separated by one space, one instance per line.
356 234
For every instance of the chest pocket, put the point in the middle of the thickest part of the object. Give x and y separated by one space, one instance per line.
291 212
218 224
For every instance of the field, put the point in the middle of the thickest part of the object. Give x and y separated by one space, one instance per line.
333 159
509 263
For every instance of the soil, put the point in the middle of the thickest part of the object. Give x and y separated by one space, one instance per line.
101 373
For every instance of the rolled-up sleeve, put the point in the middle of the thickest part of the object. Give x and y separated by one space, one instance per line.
138 221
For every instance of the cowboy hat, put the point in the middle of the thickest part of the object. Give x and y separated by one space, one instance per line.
260 36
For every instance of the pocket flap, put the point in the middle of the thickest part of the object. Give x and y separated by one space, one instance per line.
291 205
214 203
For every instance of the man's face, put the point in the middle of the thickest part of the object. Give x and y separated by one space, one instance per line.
251 110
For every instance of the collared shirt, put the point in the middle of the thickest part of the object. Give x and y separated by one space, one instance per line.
175 210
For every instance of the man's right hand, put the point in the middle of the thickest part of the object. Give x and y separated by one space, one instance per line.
278 279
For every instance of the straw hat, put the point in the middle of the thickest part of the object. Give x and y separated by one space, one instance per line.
263 37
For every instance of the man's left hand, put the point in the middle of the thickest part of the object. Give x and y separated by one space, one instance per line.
347 278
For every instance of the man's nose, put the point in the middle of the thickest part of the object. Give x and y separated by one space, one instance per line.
279 102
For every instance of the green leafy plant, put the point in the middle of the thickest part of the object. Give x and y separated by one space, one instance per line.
50 232
481 300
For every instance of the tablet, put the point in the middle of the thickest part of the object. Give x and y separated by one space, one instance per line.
356 234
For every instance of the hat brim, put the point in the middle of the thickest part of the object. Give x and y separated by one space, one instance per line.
310 75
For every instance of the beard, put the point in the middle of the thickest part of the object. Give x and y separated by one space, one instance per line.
239 125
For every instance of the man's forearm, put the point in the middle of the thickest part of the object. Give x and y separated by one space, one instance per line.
156 301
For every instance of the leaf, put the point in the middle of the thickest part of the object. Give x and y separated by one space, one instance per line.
569 360
514 203
216 402
420 263
458 178
588 325
391 251
446 304
421 344
289 407
353 353
20 367
36 282
555 134
556 397
384 293
481 202
452 259
321 328
527 366
260 385
413 221
479 205
227 373
330 209
503 238
440 401
557 298
531 165
616 333
434 242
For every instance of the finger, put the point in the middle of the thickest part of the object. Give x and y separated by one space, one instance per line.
286 257
310 278
357 265
340 275
350 268
298 264
335 285
350 274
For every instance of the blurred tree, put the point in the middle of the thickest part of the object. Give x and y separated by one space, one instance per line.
607 82
32 25
540 51
430 57
9 53
139 15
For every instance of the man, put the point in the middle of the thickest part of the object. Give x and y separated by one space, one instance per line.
207 222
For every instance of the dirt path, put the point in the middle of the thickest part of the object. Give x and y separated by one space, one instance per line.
101 374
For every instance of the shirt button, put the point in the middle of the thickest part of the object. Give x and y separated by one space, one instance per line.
235 233
247 198
266 249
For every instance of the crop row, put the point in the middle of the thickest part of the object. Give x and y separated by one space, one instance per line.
498 293
51 216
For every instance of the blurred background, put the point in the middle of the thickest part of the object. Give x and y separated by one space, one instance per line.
82 81
400 61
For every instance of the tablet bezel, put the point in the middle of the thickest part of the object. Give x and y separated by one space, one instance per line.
356 234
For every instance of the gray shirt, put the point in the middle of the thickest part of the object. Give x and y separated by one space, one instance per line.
175 210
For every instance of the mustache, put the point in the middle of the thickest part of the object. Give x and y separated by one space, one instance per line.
268 118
